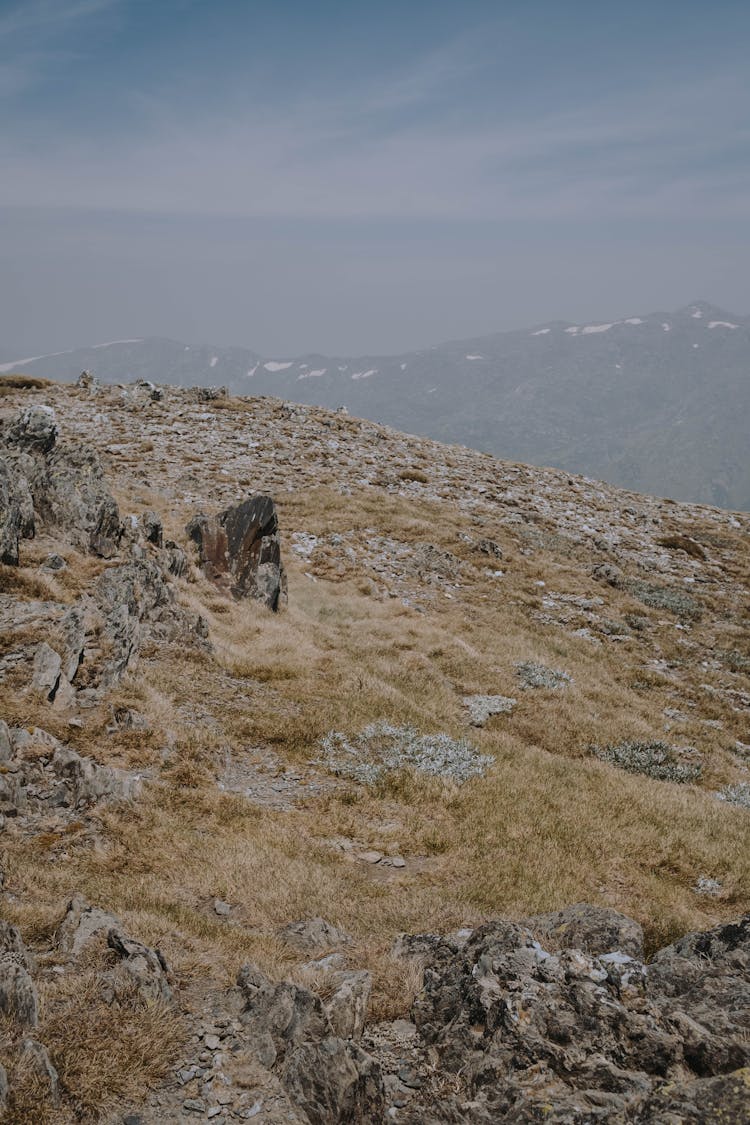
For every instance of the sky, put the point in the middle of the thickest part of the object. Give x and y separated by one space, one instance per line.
342 176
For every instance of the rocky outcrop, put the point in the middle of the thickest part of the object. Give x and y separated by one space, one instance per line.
579 1029
71 498
239 550
328 1077
57 486
34 429
10 519
41 775
137 603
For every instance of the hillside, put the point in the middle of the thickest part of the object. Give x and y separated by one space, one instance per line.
490 691
655 403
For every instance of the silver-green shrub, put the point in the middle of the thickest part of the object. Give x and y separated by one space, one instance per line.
657 760
382 748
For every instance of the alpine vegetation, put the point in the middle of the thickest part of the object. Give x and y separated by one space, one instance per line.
657 760
738 794
533 675
381 748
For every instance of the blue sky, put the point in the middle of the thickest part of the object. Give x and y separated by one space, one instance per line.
366 176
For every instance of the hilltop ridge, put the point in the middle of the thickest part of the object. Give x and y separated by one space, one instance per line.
276 865
655 403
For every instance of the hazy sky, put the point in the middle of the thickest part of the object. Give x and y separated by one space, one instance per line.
353 176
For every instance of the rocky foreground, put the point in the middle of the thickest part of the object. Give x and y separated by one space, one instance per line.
558 1016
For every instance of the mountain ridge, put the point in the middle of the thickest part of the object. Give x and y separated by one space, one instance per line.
652 403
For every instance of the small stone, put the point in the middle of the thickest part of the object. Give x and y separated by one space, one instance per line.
212 1042
370 857
194 1105
409 1076
54 563
396 861
221 908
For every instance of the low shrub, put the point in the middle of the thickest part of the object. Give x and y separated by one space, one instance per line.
382 748
657 760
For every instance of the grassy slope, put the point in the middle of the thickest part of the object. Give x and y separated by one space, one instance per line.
548 826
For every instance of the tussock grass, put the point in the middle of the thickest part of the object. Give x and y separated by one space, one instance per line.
548 824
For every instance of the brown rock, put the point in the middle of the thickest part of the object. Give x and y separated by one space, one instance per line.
239 550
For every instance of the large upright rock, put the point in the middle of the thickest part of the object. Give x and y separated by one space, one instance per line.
71 496
10 519
34 428
239 550
329 1077
61 484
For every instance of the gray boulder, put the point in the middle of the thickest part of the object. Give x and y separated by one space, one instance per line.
10 518
71 497
47 671
82 925
138 603
58 485
330 1079
139 967
346 1006
239 550
34 429
18 996
90 782
313 935
594 929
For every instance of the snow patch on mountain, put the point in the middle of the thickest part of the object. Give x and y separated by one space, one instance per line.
273 365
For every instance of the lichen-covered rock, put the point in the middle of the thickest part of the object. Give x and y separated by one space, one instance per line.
593 929
58 485
82 924
18 995
90 782
583 1031
71 497
346 1006
34 428
239 550
47 671
330 1079
313 935
151 526
10 519
139 966
137 603
334 1083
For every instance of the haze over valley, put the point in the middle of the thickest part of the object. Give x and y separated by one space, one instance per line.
657 403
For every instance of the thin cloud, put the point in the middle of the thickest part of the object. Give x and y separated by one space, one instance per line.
657 151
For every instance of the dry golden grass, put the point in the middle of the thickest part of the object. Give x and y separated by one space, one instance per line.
104 1053
14 381
549 825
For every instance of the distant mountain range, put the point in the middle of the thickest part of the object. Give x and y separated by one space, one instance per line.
658 403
